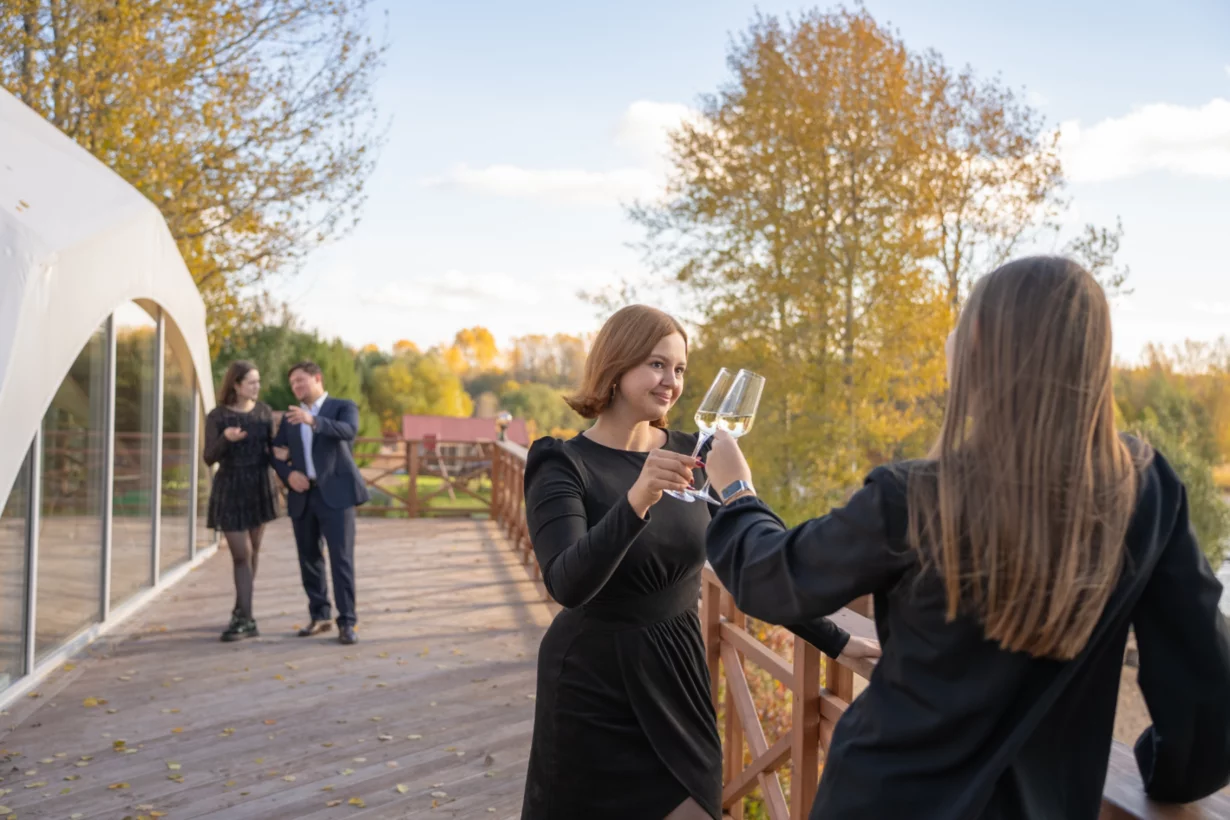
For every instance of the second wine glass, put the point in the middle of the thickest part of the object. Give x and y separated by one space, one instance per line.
736 414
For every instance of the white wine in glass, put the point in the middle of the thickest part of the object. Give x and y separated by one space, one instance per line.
736 414
707 418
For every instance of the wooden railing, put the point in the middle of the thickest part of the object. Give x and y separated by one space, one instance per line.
460 474
821 689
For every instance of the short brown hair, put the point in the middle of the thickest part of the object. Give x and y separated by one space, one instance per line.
308 367
625 341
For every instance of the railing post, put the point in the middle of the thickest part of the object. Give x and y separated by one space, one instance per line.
412 476
805 728
732 753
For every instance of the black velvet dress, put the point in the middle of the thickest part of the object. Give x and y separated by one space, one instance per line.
623 726
243 495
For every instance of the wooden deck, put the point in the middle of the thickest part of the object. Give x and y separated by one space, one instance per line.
428 716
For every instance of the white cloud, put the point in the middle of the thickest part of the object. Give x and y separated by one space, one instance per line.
1227 68
1212 308
642 130
454 291
1037 99
560 185
1190 141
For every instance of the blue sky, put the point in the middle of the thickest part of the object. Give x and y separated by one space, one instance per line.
517 128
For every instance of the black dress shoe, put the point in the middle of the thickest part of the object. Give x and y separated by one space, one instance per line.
315 628
347 635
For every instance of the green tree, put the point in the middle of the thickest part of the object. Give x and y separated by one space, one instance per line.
417 384
251 124
541 404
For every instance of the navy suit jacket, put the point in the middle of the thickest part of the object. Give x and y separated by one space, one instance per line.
337 476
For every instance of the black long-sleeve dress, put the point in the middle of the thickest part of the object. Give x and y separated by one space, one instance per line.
953 727
623 725
243 495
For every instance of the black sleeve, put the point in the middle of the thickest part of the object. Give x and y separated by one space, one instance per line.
795 576
280 439
577 560
1184 674
823 634
216 444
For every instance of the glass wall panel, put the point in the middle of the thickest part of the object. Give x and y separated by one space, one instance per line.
178 452
205 537
14 525
70 529
132 522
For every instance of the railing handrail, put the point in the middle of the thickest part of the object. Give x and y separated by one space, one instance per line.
815 709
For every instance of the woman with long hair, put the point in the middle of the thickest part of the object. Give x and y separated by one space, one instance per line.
1006 569
238 432
623 726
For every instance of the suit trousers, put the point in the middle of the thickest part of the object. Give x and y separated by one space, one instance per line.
337 529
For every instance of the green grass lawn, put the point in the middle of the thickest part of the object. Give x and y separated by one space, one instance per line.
428 485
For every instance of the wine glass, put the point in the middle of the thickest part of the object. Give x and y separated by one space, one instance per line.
736 414
706 419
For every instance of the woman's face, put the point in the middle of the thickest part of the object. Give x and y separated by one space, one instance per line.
249 387
651 388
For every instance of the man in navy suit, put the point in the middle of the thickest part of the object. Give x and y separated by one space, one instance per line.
325 487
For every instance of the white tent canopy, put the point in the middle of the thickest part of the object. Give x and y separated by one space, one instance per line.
76 242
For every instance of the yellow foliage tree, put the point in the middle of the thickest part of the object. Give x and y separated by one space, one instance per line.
249 123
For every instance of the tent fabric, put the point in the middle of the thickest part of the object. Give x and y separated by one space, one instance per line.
76 242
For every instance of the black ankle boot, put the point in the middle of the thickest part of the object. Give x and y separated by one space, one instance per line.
240 628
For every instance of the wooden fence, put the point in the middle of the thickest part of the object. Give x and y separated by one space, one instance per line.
821 689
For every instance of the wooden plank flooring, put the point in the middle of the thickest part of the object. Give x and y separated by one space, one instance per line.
428 716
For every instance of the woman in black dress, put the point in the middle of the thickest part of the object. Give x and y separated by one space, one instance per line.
238 432
623 726
1007 568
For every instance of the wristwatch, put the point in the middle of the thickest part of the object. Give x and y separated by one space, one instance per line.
737 489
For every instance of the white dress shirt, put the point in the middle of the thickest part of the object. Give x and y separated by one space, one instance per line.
306 431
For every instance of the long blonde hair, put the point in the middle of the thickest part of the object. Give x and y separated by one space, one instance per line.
1025 500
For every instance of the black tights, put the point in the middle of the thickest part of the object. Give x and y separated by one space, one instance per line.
245 546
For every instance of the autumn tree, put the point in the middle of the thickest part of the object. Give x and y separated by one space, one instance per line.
416 384
249 123
557 360
797 212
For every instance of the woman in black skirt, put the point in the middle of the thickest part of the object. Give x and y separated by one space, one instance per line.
623 725
238 433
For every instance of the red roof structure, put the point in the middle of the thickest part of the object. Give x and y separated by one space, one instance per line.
447 428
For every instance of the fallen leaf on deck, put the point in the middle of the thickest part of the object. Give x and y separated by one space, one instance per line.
357 802
47 760
68 667
177 730
360 760
346 772
414 737
271 723
231 784
40 784
439 794
450 748
113 711
278 677
90 703
175 767
178 778
333 804
72 777
327 789
384 737
290 778
402 788
327 745
117 786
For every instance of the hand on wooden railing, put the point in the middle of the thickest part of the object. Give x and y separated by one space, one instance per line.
860 655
